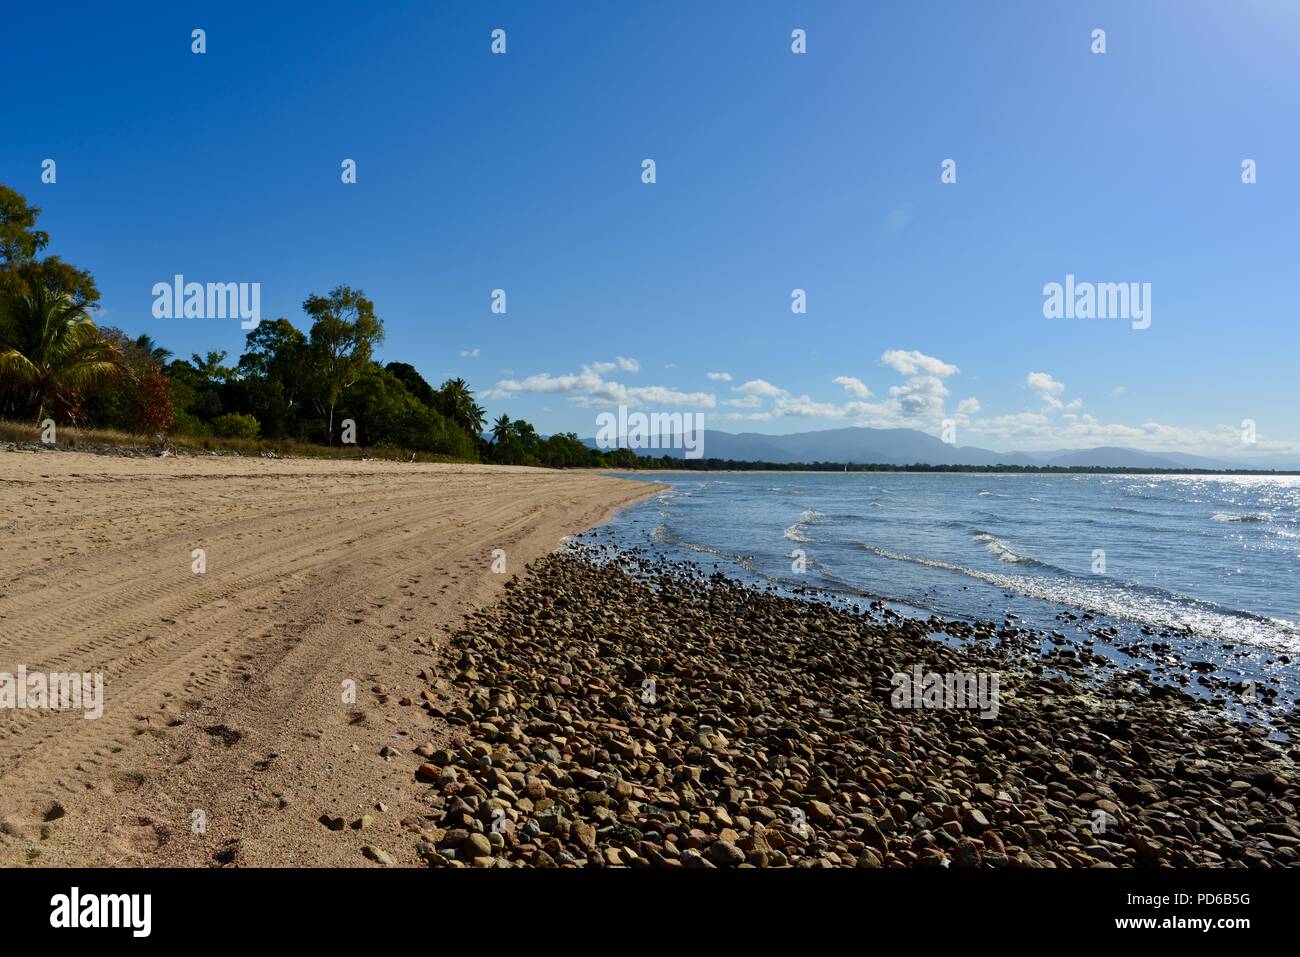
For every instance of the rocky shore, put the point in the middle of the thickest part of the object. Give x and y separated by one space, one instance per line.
624 714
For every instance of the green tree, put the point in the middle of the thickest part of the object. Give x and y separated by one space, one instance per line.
456 402
388 415
156 353
415 384
203 385
274 350
564 450
272 376
21 272
20 240
56 352
210 369
236 425
344 332
141 398
503 430
529 442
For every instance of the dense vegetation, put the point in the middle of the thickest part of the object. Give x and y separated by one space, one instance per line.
56 363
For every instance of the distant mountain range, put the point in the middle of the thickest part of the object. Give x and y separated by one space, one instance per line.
912 447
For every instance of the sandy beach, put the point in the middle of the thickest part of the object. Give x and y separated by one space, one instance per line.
225 732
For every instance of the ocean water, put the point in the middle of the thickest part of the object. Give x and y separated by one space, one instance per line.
1214 561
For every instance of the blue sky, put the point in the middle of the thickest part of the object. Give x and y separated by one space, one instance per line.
775 171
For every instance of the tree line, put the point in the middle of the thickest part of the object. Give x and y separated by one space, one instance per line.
56 363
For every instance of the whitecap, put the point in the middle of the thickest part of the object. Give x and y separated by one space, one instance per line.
796 534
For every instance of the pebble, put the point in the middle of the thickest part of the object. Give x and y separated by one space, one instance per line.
636 713
378 855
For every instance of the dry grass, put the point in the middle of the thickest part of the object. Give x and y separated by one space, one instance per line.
97 440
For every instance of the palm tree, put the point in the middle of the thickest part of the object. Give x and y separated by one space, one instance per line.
503 430
154 352
475 417
458 405
59 351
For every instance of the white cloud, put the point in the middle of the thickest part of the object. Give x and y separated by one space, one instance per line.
1017 424
853 386
469 353
919 401
588 380
619 362
616 394
804 407
915 363
590 388
1042 382
1035 430
1119 390
760 387
921 395
1050 390
1047 388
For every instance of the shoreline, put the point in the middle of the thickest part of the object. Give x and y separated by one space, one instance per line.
1248 673
568 713
772 736
187 448
972 470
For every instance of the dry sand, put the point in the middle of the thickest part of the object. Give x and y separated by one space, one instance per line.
224 690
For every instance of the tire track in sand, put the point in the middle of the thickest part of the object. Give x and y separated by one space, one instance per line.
222 689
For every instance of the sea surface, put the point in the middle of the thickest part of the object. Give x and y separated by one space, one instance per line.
1212 560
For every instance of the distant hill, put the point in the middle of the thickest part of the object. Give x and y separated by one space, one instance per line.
913 447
